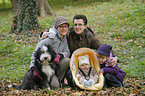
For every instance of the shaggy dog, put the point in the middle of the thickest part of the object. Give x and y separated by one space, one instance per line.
42 68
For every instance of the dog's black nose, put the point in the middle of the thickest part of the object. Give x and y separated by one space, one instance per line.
45 58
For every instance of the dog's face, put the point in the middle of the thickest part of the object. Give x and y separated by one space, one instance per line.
45 54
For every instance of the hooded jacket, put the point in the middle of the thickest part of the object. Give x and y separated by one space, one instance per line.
58 44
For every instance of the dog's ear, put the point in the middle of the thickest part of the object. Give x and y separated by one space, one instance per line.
41 34
52 52
37 54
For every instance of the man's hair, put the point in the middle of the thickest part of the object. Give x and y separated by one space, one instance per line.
80 17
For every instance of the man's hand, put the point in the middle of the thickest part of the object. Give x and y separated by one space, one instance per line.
112 61
44 35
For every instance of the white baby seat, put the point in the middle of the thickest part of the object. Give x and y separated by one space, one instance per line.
94 64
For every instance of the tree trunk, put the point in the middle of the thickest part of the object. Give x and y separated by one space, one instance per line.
26 16
16 5
44 8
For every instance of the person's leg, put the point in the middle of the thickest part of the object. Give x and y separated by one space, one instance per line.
91 82
111 80
70 80
105 83
63 68
86 83
54 83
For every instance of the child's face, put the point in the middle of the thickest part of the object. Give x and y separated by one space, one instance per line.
101 58
84 66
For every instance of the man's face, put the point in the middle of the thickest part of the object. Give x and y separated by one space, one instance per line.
79 26
63 29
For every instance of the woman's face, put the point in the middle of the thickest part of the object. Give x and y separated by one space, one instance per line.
102 58
63 29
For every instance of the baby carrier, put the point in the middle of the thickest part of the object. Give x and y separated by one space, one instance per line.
94 64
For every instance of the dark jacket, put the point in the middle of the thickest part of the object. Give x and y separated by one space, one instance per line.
115 71
85 39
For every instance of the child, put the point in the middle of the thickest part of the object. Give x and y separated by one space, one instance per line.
86 75
114 76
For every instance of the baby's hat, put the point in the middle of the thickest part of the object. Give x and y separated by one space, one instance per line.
84 59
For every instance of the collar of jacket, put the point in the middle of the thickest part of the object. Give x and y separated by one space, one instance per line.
79 36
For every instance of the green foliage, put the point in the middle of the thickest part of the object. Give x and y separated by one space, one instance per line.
7 46
5 21
15 59
132 16
66 3
5 4
121 21
136 69
121 25
47 22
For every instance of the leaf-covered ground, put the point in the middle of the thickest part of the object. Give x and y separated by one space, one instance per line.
120 25
132 87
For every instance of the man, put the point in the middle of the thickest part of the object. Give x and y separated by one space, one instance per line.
58 41
80 36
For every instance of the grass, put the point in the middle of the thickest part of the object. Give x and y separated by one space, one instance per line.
5 5
118 24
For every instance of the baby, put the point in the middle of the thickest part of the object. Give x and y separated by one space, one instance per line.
86 75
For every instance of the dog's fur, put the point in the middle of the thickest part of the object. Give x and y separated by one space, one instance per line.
43 66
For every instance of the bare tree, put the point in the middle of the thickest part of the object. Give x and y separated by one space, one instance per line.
44 8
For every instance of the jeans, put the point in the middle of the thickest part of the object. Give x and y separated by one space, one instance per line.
63 68
111 81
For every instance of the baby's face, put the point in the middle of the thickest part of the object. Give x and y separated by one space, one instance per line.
84 66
